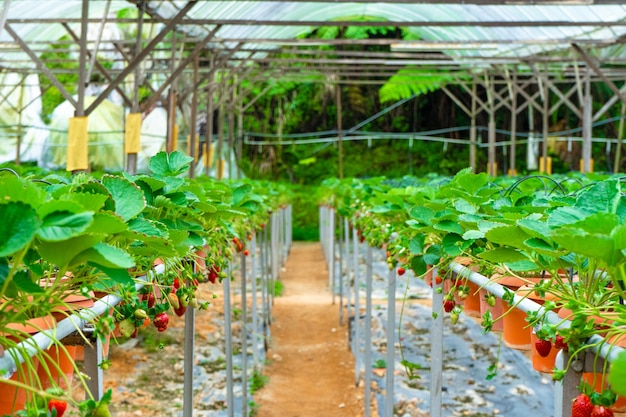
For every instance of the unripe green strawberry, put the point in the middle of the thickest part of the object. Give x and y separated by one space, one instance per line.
491 300
140 313
101 411
127 327
454 315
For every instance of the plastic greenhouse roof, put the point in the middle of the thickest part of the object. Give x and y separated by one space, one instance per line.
515 31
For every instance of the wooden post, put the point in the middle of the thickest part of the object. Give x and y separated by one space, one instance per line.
339 128
472 152
587 110
620 135
193 134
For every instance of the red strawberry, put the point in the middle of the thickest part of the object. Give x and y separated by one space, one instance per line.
543 347
401 271
601 411
151 300
560 343
582 407
176 284
438 280
246 252
161 321
59 405
448 305
180 311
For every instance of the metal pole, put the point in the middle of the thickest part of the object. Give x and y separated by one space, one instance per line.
341 249
264 295
339 128
513 152
347 282
255 319
331 251
391 342
193 131
367 359
436 348
190 326
228 340
244 337
567 388
357 308
93 358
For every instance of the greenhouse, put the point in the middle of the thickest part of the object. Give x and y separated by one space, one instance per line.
307 207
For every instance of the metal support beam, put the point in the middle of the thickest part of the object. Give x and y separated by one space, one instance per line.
193 133
177 71
41 66
99 66
592 64
139 58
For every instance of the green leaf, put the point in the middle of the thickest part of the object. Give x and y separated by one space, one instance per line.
596 246
25 283
416 245
107 222
89 201
4 270
507 235
128 197
105 255
449 226
119 275
464 206
602 196
453 244
541 246
473 234
168 165
240 193
423 214
62 225
418 265
18 225
62 255
13 189
617 374
432 255
501 255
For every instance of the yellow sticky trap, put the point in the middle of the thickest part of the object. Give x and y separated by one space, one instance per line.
132 134
220 168
208 156
77 137
175 138
582 165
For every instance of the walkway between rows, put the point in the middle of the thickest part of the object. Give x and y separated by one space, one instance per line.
311 370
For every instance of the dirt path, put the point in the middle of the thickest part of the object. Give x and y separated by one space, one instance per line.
311 370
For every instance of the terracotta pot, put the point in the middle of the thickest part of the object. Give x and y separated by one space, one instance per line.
57 366
540 363
515 329
13 399
471 303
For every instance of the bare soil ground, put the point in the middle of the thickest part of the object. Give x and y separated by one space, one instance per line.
311 370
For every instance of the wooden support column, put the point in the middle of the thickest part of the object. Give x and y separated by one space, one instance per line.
491 136
239 140
220 136
472 153
587 114
131 155
617 164
208 155
231 133
172 129
339 128
193 134
513 148
546 166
